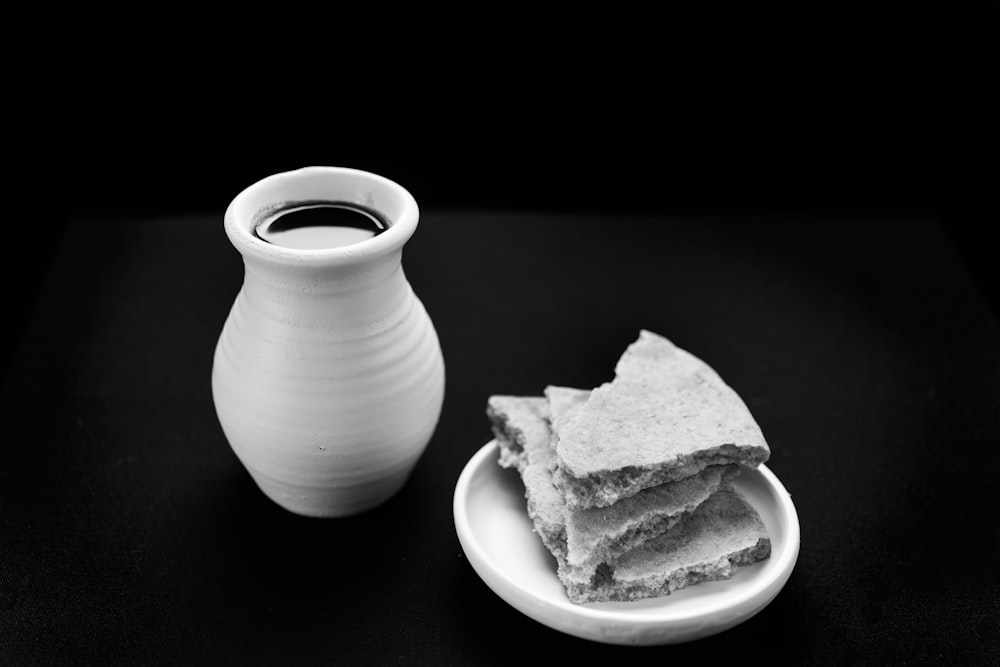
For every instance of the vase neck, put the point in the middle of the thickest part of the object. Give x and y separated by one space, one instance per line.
324 279
328 297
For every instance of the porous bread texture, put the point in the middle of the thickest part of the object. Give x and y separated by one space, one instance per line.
589 544
722 534
599 534
666 416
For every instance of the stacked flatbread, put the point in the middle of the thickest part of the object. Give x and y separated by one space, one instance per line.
628 484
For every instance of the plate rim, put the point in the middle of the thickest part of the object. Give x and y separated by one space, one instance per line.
754 597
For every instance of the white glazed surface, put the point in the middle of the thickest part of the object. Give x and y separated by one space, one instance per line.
496 534
328 377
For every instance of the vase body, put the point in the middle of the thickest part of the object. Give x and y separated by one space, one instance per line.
328 378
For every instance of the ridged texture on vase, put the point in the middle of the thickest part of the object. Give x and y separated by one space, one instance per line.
328 383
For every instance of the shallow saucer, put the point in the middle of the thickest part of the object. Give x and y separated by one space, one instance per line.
497 537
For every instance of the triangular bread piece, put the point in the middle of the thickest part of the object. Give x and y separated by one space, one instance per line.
666 416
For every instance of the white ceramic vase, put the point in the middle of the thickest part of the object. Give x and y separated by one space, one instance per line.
328 377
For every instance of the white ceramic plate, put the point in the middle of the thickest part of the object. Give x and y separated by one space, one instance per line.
496 534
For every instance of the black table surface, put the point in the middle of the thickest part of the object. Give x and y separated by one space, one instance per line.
130 533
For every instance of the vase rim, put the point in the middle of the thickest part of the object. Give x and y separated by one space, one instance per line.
257 201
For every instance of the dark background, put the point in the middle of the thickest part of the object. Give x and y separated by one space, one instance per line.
156 119
827 247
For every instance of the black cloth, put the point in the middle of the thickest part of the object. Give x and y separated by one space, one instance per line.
130 533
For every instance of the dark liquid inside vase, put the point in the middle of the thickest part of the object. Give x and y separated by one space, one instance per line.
317 225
